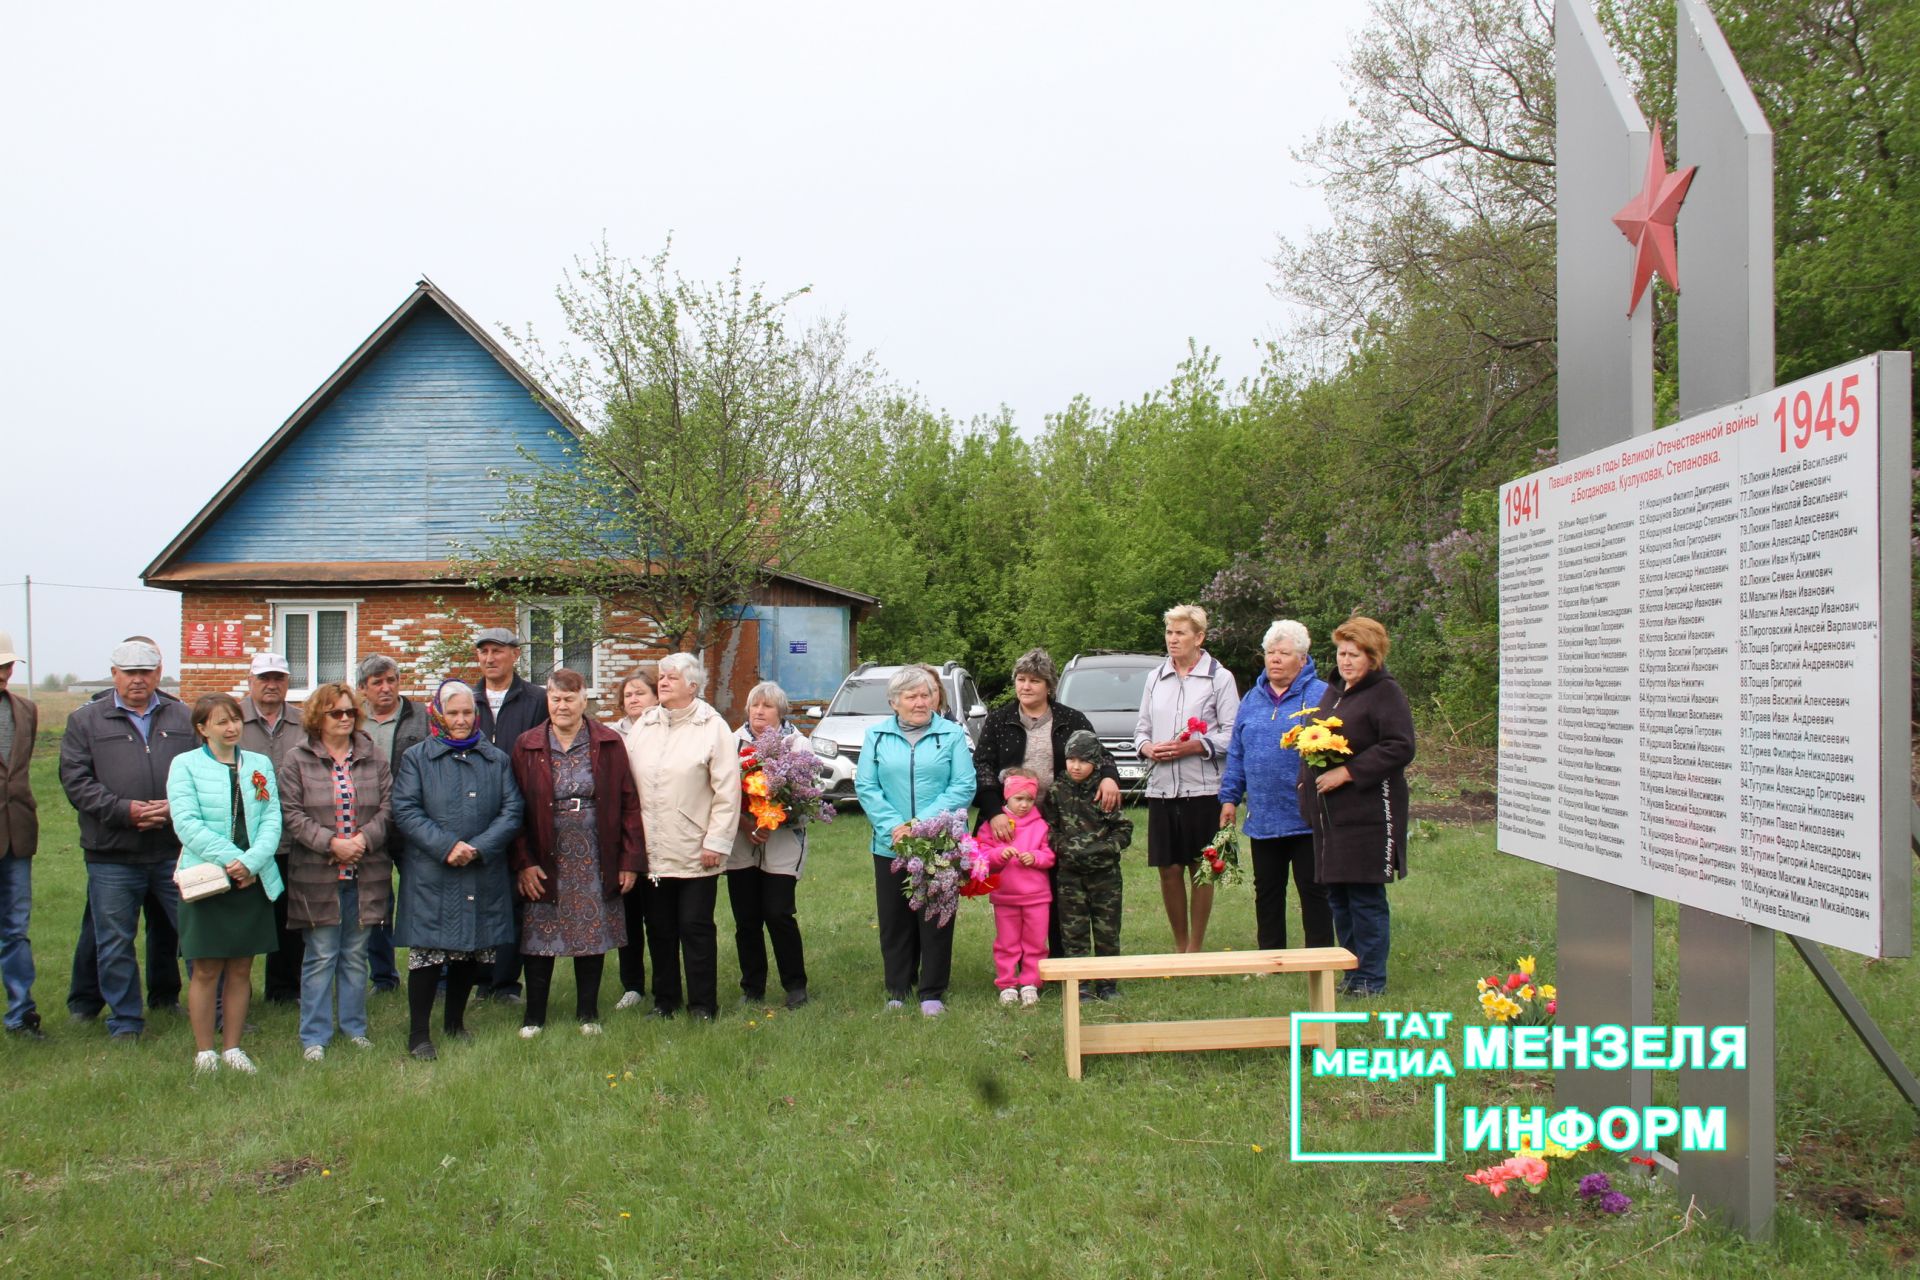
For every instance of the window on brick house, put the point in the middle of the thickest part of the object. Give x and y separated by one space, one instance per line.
558 633
317 638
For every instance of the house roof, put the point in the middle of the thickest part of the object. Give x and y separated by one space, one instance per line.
169 571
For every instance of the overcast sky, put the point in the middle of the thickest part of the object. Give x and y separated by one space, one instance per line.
207 208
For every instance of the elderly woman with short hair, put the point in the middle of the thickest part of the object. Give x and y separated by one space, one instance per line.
1358 809
335 797
1183 778
913 765
687 768
578 851
764 871
1263 774
458 809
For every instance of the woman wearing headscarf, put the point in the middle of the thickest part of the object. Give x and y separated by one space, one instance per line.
458 809
1358 809
578 851
687 769
336 799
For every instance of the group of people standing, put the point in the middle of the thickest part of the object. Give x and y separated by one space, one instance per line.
523 830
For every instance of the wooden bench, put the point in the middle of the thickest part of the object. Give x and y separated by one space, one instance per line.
1318 963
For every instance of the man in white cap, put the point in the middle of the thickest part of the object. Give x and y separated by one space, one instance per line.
114 762
508 706
271 725
19 838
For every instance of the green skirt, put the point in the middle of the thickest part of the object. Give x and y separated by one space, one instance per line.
236 923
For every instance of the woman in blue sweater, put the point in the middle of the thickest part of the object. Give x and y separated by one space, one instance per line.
1263 773
225 804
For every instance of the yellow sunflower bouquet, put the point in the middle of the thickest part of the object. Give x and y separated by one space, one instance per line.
1317 742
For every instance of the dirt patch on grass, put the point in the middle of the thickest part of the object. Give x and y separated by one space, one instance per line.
1453 784
282 1174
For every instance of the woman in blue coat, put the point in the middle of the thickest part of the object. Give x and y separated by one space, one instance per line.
913 765
457 809
225 806
1263 774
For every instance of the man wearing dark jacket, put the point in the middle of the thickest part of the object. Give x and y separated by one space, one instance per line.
508 706
114 762
271 726
84 1000
19 838
394 723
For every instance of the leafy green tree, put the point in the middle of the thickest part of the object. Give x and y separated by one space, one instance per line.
716 442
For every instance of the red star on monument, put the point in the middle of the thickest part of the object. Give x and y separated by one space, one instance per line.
1647 221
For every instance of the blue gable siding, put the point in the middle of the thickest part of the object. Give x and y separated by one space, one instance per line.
409 442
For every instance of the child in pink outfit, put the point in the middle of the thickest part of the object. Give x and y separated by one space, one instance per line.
1021 903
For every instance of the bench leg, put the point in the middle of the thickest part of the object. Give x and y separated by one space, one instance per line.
1320 1000
1070 1019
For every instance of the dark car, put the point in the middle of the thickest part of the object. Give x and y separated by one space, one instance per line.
1107 687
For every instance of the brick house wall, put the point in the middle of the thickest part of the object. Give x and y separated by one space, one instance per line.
405 622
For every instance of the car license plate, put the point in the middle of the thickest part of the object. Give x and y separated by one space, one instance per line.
1132 772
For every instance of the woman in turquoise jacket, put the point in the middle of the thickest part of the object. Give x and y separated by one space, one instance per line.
225 804
913 764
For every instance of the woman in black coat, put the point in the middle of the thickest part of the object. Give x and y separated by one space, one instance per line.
1358 809
1012 735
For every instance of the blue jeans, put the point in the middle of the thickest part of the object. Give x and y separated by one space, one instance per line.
115 891
380 959
1361 922
336 956
16 952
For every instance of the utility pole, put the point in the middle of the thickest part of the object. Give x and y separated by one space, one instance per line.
29 586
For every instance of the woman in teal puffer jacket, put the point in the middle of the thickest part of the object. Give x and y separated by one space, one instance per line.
913 765
225 804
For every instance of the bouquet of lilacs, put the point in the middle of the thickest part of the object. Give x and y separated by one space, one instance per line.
942 863
781 781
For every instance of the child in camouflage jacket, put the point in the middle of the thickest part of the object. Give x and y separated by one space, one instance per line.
1087 841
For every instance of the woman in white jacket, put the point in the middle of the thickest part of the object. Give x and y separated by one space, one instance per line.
687 767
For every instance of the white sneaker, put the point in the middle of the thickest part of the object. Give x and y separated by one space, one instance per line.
1009 995
1029 995
528 1033
237 1060
206 1062
895 1004
314 1052
628 1000
589 1028
361 1042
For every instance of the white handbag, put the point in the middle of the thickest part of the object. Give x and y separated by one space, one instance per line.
201 880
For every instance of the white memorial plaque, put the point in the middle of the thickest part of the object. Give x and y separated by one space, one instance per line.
1690 662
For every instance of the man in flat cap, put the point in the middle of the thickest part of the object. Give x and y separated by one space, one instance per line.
114 762
19 838
270 725
508 706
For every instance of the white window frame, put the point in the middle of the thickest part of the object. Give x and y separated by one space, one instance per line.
283 607
524 617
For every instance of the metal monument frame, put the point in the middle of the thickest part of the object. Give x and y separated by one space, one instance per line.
1726 353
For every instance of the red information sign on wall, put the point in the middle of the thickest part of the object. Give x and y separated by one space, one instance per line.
200 641
229 642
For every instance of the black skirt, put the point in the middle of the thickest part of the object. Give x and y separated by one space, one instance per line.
1178 829
236 923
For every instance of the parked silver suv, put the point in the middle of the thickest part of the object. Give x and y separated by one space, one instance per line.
861 700
1106 688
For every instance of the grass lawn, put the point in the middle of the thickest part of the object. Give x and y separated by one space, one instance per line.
843 1140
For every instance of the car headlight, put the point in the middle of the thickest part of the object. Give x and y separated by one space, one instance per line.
826 748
